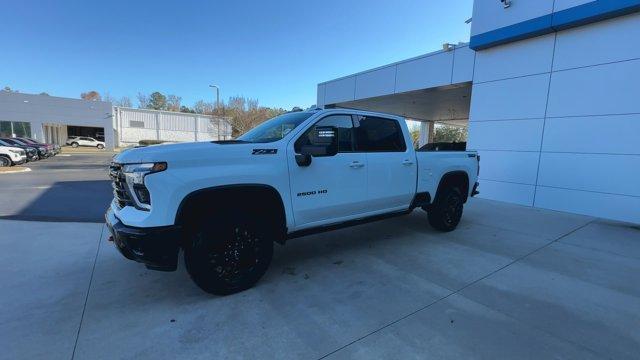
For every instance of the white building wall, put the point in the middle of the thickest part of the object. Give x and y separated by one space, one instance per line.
41 110
134 125
556 119
440 68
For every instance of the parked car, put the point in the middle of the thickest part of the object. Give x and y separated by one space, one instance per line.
43 150
32 152
53 148
10 156
84 141
224 203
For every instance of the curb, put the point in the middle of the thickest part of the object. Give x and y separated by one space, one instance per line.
15 171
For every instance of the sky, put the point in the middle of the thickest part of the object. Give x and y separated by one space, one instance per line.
273 51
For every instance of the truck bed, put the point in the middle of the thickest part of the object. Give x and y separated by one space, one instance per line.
433 165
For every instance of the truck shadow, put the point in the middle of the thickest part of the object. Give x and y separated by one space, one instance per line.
66 201
335 247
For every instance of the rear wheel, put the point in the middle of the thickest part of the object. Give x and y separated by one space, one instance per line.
446 211
74 144
231 255
4 161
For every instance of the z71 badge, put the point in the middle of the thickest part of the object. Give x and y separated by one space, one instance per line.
264 151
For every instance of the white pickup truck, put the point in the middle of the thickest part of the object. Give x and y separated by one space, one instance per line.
225 203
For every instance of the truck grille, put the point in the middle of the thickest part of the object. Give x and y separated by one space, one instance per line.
120 192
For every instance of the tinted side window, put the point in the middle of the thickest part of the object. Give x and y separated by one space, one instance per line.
345 132
379 134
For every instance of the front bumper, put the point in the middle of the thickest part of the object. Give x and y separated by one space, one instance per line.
20 160
155 247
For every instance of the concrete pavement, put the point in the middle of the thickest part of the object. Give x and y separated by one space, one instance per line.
510 282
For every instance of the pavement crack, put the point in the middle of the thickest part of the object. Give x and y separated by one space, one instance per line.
86 298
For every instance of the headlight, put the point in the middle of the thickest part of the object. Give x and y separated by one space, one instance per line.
134 177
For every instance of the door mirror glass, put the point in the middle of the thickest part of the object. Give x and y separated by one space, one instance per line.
323 141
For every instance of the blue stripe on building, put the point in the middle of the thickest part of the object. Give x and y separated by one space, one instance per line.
561 20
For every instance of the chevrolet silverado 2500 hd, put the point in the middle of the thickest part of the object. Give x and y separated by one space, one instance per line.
224 203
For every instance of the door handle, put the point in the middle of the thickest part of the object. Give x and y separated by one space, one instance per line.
407 162
356 165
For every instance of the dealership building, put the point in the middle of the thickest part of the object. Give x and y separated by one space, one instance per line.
53 119
549 92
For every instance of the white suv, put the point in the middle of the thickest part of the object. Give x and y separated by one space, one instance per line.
10 156
84 141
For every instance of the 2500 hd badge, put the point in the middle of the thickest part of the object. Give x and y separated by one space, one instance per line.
312 192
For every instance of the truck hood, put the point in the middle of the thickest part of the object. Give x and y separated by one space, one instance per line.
192 151
13 148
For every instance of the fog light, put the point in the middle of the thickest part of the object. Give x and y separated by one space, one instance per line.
143 194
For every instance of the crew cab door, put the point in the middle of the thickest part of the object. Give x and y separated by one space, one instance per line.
330 188
391 163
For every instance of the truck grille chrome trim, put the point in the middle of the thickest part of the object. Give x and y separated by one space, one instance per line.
119 185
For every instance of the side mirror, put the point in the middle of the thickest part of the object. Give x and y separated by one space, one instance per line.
303 160
323 142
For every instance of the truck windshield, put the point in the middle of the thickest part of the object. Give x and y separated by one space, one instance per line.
275 129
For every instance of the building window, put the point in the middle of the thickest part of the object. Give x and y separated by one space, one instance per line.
15 128
136 124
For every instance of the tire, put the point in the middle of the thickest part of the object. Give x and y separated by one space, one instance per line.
5 161
100 146
228 256
445 213
74 144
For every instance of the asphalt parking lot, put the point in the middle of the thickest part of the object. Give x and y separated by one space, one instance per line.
67 187
511 282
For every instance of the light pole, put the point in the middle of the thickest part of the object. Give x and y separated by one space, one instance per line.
217 94
217 106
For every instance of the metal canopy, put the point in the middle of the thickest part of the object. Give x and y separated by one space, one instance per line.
446 104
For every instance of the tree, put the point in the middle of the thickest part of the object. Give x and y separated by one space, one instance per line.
244 114
44 94
415 138
123 102
157 101
202 107
90 96
450 133
186 109
143 101
173 103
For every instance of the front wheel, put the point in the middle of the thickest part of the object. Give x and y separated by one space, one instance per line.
75 145
446 211
100 146
5 161
228 256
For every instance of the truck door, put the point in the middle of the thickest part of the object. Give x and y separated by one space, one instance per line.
331 188
391 163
